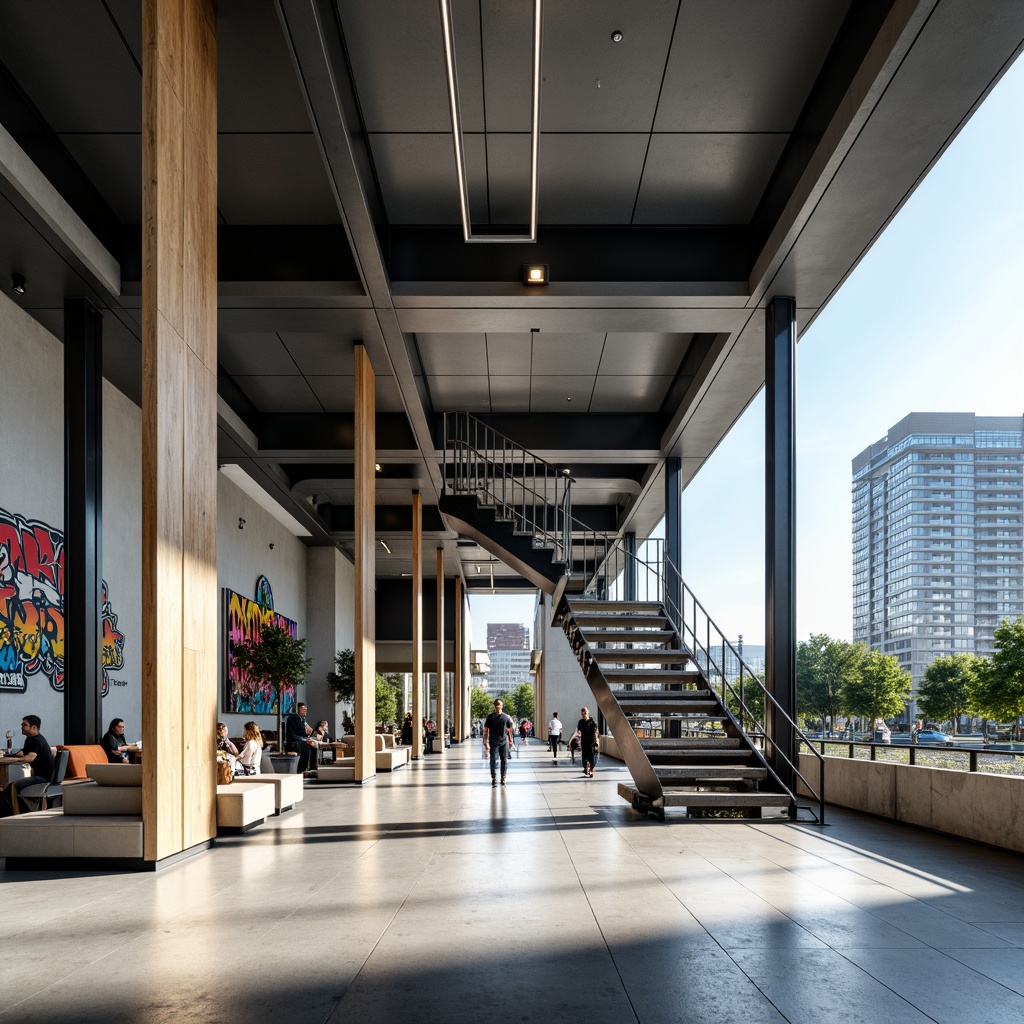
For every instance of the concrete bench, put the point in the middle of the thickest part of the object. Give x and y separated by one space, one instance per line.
390 759
242 806
27 838
343 770
287 788
89 798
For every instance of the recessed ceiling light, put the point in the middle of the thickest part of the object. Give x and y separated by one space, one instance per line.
376 467
18 283
535 273
384 545
616 36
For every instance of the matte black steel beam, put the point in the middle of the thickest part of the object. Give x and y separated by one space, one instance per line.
83 521
629 589
602 434
674 548
307 432
780 532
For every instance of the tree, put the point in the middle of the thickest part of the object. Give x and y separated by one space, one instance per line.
823 668
881 688
753 698
998 691
386 702
278 659
480 703
947 687
343 680
520 701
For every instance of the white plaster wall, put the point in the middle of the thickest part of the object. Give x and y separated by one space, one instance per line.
32 487
565 688
242 556
330 602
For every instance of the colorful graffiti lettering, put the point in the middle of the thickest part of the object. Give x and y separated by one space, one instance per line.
32 607
243 620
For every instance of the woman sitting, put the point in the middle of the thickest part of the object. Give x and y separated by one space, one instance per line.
252 751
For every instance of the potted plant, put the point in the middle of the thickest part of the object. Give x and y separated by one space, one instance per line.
278 659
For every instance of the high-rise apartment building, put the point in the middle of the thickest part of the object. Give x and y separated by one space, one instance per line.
938 536
508 644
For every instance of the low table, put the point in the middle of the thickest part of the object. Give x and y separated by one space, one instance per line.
10 769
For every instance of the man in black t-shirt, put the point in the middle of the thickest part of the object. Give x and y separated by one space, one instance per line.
36 753
498 738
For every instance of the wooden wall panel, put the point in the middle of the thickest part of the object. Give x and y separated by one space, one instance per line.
417 625
366 567
457 701
179 302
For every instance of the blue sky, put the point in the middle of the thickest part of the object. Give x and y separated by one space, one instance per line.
927 322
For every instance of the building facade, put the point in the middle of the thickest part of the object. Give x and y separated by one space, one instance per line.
938 536
508 645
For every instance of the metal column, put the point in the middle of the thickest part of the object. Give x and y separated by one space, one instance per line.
780 531
674 554
629 570
83 521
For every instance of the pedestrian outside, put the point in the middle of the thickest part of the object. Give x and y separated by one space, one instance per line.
498 739
554 736
586 729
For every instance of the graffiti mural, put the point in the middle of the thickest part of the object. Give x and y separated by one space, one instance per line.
243 620
32 608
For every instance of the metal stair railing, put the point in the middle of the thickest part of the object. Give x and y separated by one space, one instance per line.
522 487
537 497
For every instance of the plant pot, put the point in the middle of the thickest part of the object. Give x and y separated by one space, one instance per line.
284 763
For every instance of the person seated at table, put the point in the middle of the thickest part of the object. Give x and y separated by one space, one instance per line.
252 750
36 753
299 740
322 733
114 744
223 743
407 730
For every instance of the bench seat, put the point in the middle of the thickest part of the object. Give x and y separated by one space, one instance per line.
242 806
343 770
391 758
54 834
91 798
287 788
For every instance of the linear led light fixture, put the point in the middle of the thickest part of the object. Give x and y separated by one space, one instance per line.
457 136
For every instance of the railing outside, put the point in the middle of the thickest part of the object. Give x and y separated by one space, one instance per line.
970 754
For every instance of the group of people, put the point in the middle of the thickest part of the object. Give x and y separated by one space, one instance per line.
247 760
585 740
499 738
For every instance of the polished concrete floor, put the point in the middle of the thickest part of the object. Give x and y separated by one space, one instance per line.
429 897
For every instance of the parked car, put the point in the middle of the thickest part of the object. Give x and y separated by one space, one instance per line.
934 736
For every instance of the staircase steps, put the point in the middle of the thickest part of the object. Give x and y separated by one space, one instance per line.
629 636
637 656
711 773
656 744
637 676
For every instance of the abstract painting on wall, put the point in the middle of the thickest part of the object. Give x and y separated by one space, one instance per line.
244 617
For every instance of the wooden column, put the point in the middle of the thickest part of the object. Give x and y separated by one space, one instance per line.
439 744
179 423
417 625
457 689
366 567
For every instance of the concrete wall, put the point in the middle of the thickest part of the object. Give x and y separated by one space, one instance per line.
330 604
981 806
562 686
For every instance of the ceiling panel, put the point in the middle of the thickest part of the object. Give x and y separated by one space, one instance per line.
561 394
451 394
254 354
566 353
273 179
749 71
509 353
323 353
113 163
589 179
591 84
452 354
510 394
257 88
643 353
418 180
389 395
706 179
623 393
335 392
279 394
397 62
73 65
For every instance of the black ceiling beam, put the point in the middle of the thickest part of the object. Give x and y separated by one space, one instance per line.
606 433
607 253
309 432
387 518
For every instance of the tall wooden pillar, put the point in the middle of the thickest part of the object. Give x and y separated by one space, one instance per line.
179 423
457 689
439 745
366 567
417 625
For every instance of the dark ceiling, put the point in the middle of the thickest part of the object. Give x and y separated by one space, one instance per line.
723 151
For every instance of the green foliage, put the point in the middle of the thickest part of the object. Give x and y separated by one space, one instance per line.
343 680
520 701
946 689
824 669
276 658
480 703
881 688
753 698
998 690
386 699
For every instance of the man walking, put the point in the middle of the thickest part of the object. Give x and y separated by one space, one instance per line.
554 736
498 738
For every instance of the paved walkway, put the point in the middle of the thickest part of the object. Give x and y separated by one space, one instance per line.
429 897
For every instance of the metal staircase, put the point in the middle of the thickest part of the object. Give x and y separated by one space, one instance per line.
688 715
